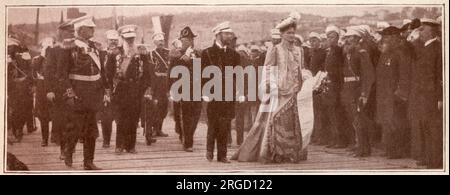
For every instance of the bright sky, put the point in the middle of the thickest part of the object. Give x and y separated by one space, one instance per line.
21 15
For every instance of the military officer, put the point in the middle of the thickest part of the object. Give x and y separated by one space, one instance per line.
108 110
42 104
359 77
188 111
426 96
160 88
330 97
54 74
132 70
316 59
219 113
85 86
392 75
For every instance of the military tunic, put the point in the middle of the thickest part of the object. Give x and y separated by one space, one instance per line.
392 75
83 72
359 77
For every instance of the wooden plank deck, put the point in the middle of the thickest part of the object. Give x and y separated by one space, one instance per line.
167 156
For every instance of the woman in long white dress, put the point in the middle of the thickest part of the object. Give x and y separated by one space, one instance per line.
276 136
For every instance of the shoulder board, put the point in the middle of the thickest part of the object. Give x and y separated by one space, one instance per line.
362 51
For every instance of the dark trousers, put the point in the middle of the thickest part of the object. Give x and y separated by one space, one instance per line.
22 109
190 114
107 117
331 116
42 108
395 132
321 134
331 123
82 124
44 128
159 113
153 115
218 129
58 114
428 141
81 118
126 128
147 117
360 121
177 117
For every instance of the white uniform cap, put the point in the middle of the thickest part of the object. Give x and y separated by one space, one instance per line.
382 25
406 21
222 27
314 35
365 29
275 33
112 34
158 36
13 41
128 31
332 28
352 31
83 21
428 20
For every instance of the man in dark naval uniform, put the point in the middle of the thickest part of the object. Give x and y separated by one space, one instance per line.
330 97
316 59
219 112
42 106
83 79
392 75
160 88
186 111
359 77
426 96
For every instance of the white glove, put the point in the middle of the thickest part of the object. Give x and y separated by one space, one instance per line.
241 99
206 98
26 56
51 96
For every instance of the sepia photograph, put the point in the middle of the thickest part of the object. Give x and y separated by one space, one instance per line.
290 87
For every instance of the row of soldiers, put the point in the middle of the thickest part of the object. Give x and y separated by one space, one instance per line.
385 93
